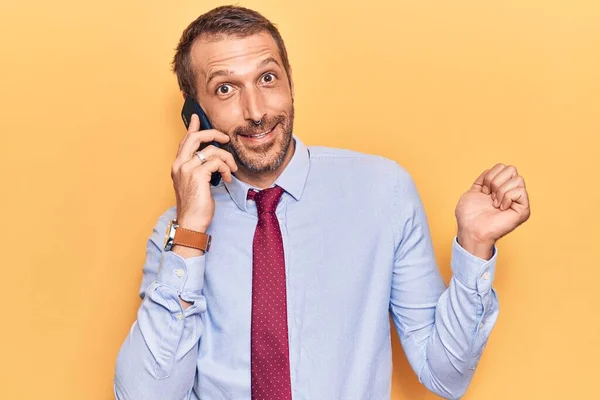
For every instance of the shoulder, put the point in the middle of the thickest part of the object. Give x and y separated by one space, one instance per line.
356 164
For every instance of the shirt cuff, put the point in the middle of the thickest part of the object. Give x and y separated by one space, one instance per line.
474 272
182 274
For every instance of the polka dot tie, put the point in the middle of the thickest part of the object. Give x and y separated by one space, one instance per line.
269 354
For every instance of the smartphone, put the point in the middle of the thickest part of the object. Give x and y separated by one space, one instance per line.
191 107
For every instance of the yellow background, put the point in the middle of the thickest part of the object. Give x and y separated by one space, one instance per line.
90 125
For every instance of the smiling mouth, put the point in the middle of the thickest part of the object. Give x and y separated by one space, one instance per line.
260 135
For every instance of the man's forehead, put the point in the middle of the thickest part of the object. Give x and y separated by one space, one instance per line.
223 51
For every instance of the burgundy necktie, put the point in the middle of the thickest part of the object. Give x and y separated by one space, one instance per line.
269 355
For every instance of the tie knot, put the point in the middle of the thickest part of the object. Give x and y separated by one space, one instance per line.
267 199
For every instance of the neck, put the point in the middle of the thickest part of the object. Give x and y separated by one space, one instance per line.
263 180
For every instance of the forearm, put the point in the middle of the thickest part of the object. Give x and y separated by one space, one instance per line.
443 330
186 252
158 358
463 322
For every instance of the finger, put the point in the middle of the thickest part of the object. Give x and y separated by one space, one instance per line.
513 183
513 197
211 151
487 179
478 184
215 165
505 175
187 167
193 126
191 143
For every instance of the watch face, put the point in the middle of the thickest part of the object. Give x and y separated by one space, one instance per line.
169 235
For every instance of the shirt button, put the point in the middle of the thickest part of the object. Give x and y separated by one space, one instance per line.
180 316
481 325
486 276
179 272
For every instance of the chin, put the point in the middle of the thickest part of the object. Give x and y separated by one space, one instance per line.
266 158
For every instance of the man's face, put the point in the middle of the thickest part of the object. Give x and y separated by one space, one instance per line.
240 81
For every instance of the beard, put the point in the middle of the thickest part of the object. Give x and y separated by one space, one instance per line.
265 157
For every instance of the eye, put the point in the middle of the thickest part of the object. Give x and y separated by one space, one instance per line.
224 89
268 77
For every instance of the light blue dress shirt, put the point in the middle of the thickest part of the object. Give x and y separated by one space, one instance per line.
357 247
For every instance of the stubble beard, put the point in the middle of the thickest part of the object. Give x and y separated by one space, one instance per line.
269 156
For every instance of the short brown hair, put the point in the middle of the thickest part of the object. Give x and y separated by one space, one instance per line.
225 20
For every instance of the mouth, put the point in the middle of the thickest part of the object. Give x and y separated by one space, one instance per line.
260 135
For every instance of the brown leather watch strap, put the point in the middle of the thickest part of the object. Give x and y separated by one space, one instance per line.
188 238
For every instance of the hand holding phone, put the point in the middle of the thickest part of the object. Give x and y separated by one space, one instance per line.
192 177
191 107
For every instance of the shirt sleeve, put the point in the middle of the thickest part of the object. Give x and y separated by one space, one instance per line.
158 358
443 330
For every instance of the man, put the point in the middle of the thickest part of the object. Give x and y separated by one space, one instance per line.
311 249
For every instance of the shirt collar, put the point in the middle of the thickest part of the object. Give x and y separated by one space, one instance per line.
292 179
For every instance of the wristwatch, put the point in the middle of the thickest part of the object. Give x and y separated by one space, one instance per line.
176 235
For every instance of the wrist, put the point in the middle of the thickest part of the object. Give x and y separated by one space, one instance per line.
483 249
192 224
186 252
178 235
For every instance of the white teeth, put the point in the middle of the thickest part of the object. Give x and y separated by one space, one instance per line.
261 135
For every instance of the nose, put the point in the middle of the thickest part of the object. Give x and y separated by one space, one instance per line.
254 105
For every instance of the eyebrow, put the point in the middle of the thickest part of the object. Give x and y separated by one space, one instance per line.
225 72
267 61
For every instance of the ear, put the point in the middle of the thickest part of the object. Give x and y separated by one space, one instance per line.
291 81
183 94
